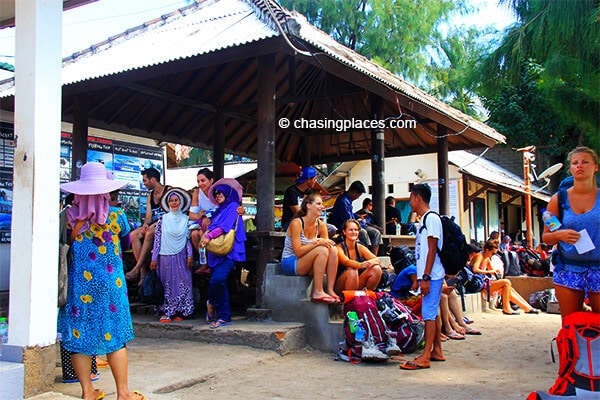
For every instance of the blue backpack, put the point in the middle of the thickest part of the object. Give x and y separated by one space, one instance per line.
455 251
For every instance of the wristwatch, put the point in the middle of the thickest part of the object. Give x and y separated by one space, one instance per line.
426 277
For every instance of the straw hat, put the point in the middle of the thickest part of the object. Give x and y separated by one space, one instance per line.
235 185
94 180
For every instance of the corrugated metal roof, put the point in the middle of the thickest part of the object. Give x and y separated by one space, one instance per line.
491 172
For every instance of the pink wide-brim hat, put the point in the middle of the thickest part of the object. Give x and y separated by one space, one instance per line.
235 185
93 180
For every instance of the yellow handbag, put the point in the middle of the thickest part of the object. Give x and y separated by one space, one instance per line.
222 245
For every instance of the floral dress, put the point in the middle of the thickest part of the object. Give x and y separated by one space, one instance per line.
96 318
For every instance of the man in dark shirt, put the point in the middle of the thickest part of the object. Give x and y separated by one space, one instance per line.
392 216
292 199
342 211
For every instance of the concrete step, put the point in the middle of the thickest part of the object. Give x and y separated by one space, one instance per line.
12 379
282 337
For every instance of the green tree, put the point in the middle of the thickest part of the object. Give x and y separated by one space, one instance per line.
561 37
393 33
452 76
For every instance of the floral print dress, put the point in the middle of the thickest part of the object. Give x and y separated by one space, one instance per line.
96 318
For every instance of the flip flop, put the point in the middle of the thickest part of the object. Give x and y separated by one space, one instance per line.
438 359
455 336
99 394
101 363
177 319
219 323
473 332
467 320
533 311
164 320
411 365
510 313
324 299
138 393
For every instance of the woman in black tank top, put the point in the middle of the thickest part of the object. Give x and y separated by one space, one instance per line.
358 267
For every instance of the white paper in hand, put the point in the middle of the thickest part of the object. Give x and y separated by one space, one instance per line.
584 244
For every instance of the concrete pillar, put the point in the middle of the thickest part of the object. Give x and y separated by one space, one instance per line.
34 239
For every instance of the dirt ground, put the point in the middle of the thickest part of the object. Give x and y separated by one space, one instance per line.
509 360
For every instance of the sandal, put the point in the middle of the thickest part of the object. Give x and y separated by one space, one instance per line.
455 336
99 394
413 365
164 319
473 332
138 393
219 323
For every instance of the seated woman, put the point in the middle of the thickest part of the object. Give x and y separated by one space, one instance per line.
358 267
453 321
307 250
482 265
201 210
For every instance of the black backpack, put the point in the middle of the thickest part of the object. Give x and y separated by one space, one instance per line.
401 257
455 251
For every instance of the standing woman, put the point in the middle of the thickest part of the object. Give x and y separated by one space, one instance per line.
226 193
358 266
576 274
172 256
307 250
96 317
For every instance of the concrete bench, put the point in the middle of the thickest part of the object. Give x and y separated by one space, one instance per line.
398 240
526 285
288 298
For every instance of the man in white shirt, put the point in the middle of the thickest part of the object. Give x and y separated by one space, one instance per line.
430 275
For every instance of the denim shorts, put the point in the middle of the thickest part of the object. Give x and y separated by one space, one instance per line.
289 265
586 281
431 302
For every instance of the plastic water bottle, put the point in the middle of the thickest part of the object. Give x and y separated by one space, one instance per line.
352 321
202 256
360 335
3 333
398 229
551 220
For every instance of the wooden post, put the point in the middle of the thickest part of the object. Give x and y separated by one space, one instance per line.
265 201
80 134
219 146
378 161
442 164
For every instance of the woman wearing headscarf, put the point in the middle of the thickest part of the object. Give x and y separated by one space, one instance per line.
96 317
226 193
172 257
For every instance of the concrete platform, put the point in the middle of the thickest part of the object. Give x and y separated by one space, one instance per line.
281 337
526 285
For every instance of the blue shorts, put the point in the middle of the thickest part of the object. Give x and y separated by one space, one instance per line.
586 281
289 265
431 302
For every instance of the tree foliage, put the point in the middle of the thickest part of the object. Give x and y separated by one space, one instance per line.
452 76
393 33
561 38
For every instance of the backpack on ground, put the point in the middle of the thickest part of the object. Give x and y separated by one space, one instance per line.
401 257
578 344
532 264
378 342
455 251
540 299
409 329
512 266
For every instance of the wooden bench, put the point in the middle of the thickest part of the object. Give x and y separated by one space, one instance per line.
398 240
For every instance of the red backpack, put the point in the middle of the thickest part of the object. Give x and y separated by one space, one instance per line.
578 344
376 343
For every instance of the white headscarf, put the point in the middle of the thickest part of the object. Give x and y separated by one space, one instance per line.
174 230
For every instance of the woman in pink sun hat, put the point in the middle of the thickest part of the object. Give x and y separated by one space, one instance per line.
96 317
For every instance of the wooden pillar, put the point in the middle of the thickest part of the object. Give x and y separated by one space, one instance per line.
378 161
442 164
80 134
265 172
219 146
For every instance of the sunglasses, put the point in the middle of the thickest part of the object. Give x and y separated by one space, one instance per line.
216 192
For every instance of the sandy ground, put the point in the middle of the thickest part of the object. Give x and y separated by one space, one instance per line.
509 360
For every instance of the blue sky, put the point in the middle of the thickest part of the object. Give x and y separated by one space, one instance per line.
96 22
